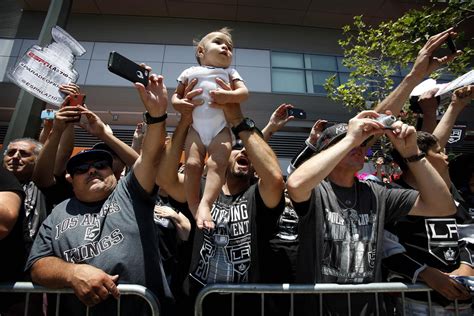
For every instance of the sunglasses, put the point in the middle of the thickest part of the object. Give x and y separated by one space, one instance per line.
239 145
84 167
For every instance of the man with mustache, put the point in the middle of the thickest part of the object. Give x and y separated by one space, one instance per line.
105 234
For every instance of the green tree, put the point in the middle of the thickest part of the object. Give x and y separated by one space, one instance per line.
374 53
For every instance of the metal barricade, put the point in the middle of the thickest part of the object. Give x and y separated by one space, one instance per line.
125 289
294 289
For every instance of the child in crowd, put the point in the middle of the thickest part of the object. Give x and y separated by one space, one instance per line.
209 132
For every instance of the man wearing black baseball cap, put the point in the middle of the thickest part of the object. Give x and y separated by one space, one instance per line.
342 218
105 234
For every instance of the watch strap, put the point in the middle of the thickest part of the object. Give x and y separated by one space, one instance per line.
153 120
414 158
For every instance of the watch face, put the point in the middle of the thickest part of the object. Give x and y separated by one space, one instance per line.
250 123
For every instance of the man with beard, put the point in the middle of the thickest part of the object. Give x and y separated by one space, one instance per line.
245 213
105 234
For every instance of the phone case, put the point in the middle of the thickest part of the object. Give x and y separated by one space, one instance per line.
127 69
77 99
297 113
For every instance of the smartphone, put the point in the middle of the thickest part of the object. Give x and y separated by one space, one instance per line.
127 69
452 47
48 114
77 99
297 113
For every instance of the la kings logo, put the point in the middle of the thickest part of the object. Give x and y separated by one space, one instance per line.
443 238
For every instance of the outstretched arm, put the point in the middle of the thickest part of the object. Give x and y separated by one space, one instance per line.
425 64
427 178
262 157
43 175
96 127
66 144
460 98
155 98
167 176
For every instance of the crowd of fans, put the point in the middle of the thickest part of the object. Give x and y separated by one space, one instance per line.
119 214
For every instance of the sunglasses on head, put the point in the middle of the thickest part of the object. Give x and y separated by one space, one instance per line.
84 167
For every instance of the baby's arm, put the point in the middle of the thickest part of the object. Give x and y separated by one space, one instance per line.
238 94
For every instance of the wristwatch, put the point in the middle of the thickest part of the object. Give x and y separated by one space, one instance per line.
148 119
247 124
415 158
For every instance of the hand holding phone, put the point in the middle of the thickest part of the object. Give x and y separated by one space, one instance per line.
127 69
297 113
452 47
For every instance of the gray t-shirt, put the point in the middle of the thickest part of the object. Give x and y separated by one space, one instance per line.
116 235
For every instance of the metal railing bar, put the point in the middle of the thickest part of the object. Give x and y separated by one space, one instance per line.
125 289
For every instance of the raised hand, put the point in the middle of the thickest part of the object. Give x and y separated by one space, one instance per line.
403 138
462 97
425 62
316 131
363 126
154 96
70 88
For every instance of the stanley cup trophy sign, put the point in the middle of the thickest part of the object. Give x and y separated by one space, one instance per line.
42 70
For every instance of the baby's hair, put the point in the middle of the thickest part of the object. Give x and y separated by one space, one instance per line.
198 42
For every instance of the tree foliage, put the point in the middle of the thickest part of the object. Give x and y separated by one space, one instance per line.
373 54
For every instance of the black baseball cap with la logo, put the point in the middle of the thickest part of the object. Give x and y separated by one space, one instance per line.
331 135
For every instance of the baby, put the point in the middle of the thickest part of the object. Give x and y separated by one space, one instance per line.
209 132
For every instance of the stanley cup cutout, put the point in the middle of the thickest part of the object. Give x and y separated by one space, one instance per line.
43 69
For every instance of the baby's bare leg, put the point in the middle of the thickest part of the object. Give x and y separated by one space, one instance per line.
218 158
195 152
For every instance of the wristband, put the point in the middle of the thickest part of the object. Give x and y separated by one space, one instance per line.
414 158
148 119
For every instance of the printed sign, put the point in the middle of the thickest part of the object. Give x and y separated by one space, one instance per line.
42 70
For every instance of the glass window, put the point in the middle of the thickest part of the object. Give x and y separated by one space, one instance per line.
320 62
406 70
319 78
343 77
340 66
287 60
288 80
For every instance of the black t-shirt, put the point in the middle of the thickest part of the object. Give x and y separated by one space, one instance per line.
341 242
234 252
12 247
431 241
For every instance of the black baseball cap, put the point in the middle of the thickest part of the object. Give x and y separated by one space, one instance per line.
104 146
88 155
331 135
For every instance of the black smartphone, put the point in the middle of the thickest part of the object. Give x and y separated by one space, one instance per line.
297 113
127 69
452 47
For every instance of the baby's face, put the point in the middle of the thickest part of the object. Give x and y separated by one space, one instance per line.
216 50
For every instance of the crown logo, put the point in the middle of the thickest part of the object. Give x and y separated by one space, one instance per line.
449 254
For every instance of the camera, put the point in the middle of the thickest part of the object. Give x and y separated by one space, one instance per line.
386 120
48 114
